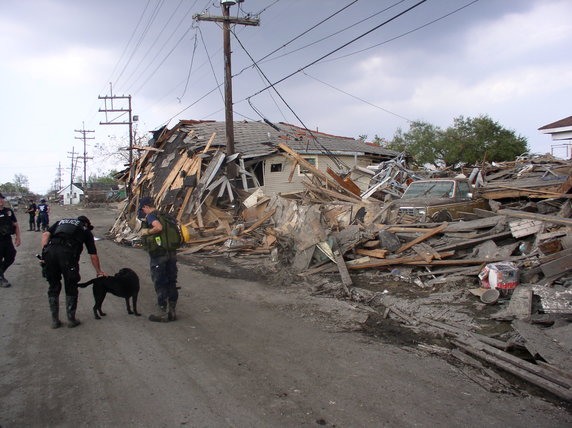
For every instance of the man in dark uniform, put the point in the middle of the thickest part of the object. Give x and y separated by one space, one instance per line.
43 216
8 227
163 265
32 213
62 245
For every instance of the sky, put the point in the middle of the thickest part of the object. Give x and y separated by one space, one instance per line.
343 67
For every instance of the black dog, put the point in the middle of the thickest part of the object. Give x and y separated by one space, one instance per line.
124 283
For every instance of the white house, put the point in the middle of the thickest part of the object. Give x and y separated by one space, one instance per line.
74 197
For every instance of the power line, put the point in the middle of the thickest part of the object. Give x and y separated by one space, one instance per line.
341 47
406 33
211 64
337 32
356 97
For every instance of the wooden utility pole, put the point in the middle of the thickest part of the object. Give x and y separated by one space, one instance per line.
121 111
226 21
84 136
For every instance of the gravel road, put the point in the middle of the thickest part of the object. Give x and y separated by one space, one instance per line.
242 354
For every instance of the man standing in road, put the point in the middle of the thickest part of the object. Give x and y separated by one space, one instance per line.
32 213
62 245
43 216
8 227
163 262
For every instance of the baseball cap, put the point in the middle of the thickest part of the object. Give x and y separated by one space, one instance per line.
145 200
86 221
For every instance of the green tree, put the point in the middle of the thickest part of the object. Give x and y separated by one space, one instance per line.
421 142
109 178
18 185
468 140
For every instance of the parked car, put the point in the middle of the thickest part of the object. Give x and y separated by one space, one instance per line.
435 200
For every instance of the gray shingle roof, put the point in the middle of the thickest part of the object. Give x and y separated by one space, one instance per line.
254 139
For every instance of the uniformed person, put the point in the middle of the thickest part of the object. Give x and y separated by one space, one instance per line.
8 227
62 245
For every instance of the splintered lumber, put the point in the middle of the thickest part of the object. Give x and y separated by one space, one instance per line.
259 222
349 185
403 261
378 254
346 280
422 237
541 345
471 242
542 217
534 374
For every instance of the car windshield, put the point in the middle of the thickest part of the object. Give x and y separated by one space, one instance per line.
429 189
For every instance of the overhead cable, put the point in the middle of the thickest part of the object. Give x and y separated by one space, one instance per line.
341 47
404 34
357 98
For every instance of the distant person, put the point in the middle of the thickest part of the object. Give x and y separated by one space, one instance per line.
43 220
32 213
163 263
8 227
62 245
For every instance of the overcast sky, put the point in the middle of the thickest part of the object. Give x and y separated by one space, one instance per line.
508 59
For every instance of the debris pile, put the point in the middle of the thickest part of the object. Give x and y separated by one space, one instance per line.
335 229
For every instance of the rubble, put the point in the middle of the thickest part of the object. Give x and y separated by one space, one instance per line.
335 228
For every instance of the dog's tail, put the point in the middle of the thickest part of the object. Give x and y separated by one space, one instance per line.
85 284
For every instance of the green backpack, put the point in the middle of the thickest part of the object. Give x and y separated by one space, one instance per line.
168 240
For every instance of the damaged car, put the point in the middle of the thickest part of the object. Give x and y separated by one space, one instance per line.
435 200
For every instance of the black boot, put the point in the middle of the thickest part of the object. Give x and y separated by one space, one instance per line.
55 310
71 306
172 313
160 316
3 281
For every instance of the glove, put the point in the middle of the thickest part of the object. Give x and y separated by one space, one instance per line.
145 232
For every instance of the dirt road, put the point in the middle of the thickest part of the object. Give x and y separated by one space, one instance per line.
242 354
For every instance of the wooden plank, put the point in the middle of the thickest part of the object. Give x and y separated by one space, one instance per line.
541 346
422 252
557 267
378 254
344 273
471 242
422 237
259 222
525 227
542 217
348 185
556 389
398 261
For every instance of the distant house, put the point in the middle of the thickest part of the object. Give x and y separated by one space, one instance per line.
72 194
560 131
261 163
100 192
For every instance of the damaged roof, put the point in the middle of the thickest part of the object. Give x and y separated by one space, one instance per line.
255 139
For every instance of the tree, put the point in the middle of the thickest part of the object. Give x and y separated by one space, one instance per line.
109 178
421 142
18 185
469 140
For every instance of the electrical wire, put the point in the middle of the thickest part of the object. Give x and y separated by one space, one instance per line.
141 38
337 32
190 67
341 47
357 98
161 49
146 54
340 164
406 33
211 64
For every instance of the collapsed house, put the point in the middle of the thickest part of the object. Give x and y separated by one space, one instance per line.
315 203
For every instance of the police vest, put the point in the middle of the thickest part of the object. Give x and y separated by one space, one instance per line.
69 231
6 223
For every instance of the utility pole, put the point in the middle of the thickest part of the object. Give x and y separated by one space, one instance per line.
84 136
72 171
226 21
112 109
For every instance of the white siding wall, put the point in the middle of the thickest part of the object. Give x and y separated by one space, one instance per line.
277 182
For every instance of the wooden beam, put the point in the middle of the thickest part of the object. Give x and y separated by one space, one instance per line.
422 238
548 218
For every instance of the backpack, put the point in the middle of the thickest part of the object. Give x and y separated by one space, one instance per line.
169 240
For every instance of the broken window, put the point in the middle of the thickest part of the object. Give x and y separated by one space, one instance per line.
302 170
276 167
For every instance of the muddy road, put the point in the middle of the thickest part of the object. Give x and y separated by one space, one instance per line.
242 354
